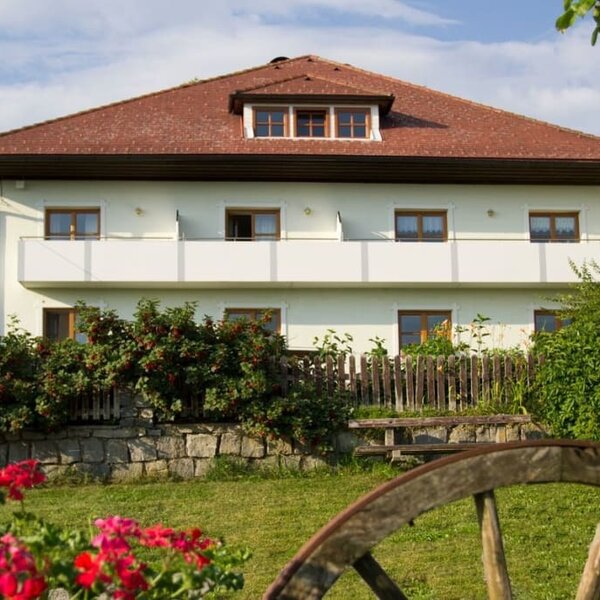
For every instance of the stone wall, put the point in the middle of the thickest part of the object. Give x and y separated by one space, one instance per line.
116 453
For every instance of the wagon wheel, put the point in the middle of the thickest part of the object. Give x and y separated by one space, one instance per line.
348 538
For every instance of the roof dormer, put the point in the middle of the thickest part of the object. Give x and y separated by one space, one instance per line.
308 107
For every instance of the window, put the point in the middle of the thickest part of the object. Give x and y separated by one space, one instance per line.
253 225
548 320
270 122
72 224
417 326
59 324
256 314
352 123
311 123
554 227
421 226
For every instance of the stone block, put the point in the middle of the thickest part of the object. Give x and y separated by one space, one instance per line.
45 452
201 445
485 433
531 431
58 594
68 451
430 435
461 434
202 466
279 446
513 433
170 446
252 447
92 450
346 442
18 451
157 469
231 443
117 451
117 432
96 471
126 472
182 468
54 472
32 435
310 463
142 449
146 414
80 432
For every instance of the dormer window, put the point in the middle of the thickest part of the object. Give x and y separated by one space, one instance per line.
270 122
352 123
311 123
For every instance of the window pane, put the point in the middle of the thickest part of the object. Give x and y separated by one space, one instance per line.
344 118
277 131
407 226
345 131
433 227
565 227
436 321
60 224
265 225
539 227
273 323
262 116
410 338
303 131
360 131
360 118
86 224
319 131
262 131
545 322
57 325
239 226
410 324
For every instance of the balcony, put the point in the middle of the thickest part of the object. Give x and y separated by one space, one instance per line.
172 263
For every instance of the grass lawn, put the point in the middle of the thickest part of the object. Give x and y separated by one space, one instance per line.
547 529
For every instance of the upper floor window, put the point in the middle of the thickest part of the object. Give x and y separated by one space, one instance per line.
257 314
352 123
548 320
253 224
59 324
270 122
72 223
421 226
554 227
311 123
416 326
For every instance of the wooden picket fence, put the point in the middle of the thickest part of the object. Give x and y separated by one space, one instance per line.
407 383
95 407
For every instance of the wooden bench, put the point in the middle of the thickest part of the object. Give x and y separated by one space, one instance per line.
392 425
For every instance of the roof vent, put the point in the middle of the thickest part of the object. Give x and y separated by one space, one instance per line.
278 59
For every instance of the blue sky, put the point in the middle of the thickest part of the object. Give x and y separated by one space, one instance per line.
61 56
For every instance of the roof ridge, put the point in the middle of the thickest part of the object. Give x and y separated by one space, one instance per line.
148 95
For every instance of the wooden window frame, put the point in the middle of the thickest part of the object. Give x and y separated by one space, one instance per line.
284 110
367 124
552 215
326 123
73 235
72 314
545 313
420 214
252 212
253 314
423 314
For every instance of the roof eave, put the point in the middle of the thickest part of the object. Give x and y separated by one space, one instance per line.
333 168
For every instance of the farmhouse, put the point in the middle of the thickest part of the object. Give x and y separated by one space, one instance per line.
336 197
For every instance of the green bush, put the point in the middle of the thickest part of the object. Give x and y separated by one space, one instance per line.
568 382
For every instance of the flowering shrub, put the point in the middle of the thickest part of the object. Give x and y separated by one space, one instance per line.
36 556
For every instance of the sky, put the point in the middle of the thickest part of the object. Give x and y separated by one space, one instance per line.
62 56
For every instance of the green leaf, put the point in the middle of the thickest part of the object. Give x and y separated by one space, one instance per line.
595 35
566 20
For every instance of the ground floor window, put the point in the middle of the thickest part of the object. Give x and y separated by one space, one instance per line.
255 314
59 324
416 326
548 320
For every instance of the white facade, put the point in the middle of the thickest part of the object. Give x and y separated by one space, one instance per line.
166 240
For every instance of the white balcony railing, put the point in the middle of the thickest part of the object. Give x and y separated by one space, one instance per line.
167 262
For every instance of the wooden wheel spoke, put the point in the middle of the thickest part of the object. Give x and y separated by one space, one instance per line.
494 560
589 586
378 580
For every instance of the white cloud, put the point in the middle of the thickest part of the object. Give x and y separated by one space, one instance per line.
67 55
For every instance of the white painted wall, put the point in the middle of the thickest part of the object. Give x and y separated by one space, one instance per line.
367 213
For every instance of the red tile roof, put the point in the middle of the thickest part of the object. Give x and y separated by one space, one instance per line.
194 119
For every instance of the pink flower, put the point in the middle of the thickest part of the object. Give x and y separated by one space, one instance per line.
157 536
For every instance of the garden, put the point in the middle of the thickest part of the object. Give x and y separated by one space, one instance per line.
231 371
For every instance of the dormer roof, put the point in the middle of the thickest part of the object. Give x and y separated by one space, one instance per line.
307 89
187 131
